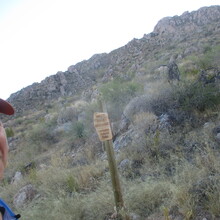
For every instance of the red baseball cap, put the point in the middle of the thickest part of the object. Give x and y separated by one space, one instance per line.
6 108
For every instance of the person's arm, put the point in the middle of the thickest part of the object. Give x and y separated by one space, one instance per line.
3 150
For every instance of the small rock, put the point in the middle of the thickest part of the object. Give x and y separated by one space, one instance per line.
125 164
135 216
122 142
218 137
17 177
24 196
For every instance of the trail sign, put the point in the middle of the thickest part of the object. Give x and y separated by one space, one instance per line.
102 126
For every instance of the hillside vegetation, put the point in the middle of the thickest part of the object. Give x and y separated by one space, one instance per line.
162 93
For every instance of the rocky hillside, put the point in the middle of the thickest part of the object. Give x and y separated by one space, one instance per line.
177 36
162 93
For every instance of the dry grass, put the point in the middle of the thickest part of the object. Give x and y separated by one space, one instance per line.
167 168
84 191
144 120
145 198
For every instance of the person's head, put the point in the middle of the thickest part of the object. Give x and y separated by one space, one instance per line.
7 109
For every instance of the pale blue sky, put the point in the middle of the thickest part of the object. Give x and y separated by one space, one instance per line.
41 37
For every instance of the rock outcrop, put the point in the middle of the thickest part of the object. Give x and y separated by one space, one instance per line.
188 31
62 84
25 196
188 22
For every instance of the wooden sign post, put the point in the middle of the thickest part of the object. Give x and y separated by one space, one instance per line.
103 128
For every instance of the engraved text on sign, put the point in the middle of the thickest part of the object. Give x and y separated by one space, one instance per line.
102 126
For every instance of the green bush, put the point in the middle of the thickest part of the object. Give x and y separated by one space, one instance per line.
183 103
71 184
117 94
147 198
94 205
196 96
78 130
197 184
67 114
41 136
210 58
9 132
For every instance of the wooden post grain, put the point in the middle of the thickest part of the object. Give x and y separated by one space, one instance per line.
119 203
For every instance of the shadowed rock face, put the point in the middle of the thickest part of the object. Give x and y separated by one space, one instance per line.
131 57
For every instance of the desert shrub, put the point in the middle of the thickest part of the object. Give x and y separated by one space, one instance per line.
197 184
181 103
91 152
76 136
137 105
41 136
86 207
81 176
213 197
117 93
71 184
147 198
67 114
87 119
32 175
196 96
9 132
144 120
193 64
79 130
210 58
160 104
61 179
57 181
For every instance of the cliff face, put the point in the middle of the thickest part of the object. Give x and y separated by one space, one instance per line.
62 84
187 33
189 22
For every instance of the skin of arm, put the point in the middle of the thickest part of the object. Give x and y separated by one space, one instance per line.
3 153
7 109
3 150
